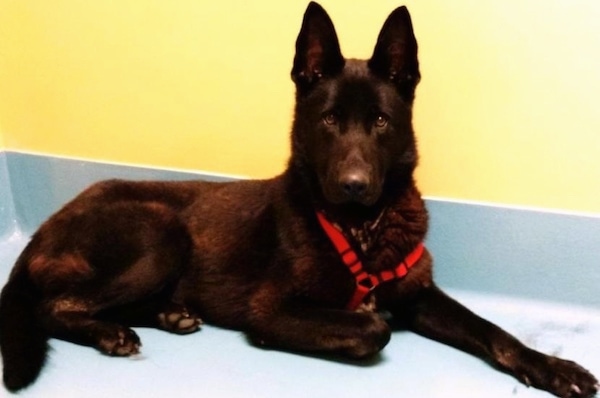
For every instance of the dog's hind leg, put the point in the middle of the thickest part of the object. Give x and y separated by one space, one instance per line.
77 314
134 262
78 320
100 316
161 311
71 319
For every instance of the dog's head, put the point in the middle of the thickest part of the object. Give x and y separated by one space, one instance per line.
352 131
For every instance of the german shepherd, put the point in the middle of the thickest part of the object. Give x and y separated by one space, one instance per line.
307 261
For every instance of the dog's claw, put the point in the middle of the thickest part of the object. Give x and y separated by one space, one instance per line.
575 388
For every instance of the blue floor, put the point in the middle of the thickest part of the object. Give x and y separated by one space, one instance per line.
220 363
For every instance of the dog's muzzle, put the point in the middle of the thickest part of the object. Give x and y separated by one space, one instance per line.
355 185
352 187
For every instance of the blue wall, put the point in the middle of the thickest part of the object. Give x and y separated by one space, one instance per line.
526 253
534 254
42 184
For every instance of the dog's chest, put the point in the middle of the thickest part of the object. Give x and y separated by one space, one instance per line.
364 236
381 243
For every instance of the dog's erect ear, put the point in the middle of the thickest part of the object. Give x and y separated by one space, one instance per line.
317 49
395 55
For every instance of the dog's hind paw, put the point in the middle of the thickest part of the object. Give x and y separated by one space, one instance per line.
178 320
124 342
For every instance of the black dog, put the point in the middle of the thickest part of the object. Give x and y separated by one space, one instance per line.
306 261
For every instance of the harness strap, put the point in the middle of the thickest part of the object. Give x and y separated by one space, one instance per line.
365 282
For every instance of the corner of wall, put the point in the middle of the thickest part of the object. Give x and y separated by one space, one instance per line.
8 224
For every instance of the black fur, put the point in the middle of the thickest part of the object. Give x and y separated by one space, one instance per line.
251 255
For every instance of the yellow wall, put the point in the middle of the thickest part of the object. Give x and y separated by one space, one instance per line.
506 111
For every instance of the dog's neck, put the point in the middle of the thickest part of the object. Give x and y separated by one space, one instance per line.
386 234
362 233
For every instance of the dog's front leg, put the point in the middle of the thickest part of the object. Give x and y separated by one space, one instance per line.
297 326
435 315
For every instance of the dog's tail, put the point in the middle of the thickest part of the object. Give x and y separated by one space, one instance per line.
23 340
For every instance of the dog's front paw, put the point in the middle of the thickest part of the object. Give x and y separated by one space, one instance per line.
562 378
374 334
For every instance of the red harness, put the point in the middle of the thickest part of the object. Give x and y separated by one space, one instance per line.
365 282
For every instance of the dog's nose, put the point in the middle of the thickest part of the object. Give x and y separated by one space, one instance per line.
355 185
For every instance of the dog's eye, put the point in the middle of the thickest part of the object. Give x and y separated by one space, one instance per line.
381 120
330 118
